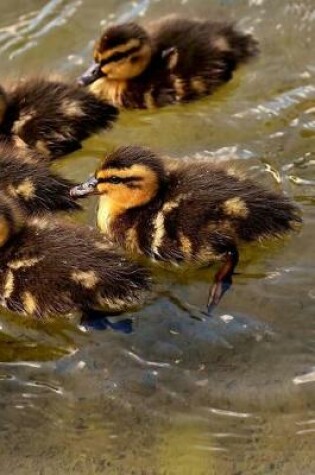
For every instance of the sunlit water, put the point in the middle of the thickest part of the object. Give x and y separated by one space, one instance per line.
232 395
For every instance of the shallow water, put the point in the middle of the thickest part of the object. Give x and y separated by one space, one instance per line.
232 395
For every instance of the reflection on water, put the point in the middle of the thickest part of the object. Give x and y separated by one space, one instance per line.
233 394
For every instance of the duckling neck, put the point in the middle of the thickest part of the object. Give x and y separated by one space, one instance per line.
111 90
108 211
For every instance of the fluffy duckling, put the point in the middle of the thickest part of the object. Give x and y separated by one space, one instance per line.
50 116
28 179
51 268
184 212
173 60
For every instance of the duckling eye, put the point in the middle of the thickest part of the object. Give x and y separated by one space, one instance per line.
115 180
134 59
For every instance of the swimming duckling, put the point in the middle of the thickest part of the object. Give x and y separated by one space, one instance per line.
191 212
173 60
27 178
50 268
52 117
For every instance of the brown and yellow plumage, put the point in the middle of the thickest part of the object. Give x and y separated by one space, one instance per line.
189 212
51 116
50 267
172 60
26 177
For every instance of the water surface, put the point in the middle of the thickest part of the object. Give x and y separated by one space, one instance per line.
232 395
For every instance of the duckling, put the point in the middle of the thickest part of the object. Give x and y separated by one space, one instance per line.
28 179
184 212
51 117
173 60
50 268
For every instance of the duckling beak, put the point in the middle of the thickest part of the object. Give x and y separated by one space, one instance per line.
85 189
93 73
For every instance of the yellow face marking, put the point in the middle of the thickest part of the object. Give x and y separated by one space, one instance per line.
129 66
71 108
236 207
106 212
8 285
19 264
119 197
26 189
134 170
29 303
87 279
102 56
4 231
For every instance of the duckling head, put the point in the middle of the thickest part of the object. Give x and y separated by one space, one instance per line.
3 104
11 219
123 52
129 177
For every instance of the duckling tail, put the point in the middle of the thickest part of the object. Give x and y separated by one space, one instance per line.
243 45
273 216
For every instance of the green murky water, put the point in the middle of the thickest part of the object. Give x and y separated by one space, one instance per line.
230 396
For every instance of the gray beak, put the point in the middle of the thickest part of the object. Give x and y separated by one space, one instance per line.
93 73
85 189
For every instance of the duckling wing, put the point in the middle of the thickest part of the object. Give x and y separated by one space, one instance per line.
54 117
208 52
221 201
28 178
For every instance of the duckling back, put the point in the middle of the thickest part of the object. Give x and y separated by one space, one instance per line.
222 199
54 268
26 177
53 117
207 53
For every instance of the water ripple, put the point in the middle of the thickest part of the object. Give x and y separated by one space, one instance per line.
305 378
281 103
23 35
143 362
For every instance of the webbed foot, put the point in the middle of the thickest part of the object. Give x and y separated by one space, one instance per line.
222 280
98 320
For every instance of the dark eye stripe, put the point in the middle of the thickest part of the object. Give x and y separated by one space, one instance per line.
119 55
128 179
